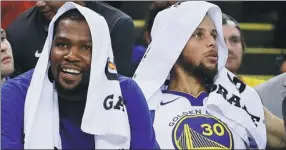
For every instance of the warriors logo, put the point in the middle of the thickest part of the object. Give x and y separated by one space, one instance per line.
110 70
201 132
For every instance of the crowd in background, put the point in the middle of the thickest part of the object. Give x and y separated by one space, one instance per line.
28 23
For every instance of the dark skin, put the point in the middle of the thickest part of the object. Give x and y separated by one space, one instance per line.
70 59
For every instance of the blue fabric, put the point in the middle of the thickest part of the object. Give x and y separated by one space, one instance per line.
138 53
195 101
12 112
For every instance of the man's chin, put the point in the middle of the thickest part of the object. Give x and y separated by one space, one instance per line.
7 71
207 71
67 87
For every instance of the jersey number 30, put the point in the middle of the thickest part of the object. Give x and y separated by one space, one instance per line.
209 130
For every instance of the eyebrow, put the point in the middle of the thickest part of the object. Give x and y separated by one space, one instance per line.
63 38
201 29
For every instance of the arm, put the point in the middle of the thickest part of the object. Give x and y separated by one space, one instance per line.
276 137
140 120
122 38
12 113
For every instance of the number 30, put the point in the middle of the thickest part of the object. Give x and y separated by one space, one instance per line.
216 128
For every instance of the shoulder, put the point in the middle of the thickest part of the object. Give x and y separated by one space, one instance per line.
277 84
22 20
112 15
130 89
18 86
21 26
128 83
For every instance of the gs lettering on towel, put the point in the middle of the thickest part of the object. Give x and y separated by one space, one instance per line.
189 125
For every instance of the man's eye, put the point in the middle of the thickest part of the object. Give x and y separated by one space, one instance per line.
197 34
214 35
61 45
87 48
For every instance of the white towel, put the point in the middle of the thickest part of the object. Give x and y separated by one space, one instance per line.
246 105
171 31
41 121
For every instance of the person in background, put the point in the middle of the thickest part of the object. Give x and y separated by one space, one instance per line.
11 9
7 61
272 93
236 47
28 32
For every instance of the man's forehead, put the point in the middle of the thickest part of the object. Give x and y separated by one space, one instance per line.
229 29
207 24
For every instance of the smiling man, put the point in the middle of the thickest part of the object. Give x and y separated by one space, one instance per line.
7 62
58 106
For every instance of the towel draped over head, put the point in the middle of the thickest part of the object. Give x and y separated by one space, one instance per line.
41 120
171 31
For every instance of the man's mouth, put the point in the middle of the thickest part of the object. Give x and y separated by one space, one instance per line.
70 74
213 57
6 59
70 71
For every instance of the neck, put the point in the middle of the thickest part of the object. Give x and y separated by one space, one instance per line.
183 81
73 98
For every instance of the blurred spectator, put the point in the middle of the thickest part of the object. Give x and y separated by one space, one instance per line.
236 46
272 94
28 33
11 9
7 63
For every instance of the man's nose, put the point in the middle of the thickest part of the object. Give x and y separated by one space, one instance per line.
4 47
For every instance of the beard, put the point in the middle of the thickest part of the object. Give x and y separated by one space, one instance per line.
77 93
200 71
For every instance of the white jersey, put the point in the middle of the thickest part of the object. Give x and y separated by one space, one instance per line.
182 122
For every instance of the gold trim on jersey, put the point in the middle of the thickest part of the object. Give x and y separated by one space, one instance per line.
189 93
190 139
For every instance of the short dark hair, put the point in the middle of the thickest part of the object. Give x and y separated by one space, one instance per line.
72 14
225 19
153 10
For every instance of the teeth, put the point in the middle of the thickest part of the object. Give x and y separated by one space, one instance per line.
72 71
